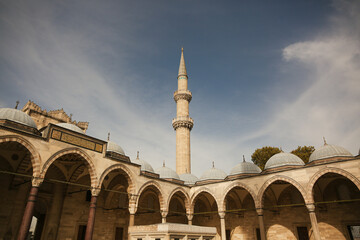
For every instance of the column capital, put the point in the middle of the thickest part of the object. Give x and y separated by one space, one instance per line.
95 191
260 211
222 214
132 210
310 207
190 216
36 181
164 213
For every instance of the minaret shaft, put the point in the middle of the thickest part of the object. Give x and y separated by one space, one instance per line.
182 123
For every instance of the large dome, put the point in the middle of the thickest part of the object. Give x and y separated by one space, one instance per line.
70 127
328 151
113 147
213 174
166 172
245 168
188 178
145 166
283 159
17 116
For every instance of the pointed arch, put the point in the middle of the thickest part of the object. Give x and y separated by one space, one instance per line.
78 151
187 198
34 155
324 171
157 186
280 178
197 194
128 175
241 185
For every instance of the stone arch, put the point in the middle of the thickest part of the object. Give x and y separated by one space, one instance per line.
158 187
78 151
324 171
241 185
197 194
280 178
128 175
187 198
35 156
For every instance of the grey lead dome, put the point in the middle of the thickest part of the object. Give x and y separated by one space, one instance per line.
17 116
113 147
245 168
328 151
166 172
283 159
188 178
213 174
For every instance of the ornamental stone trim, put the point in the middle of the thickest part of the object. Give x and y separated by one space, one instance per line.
182 94
186 122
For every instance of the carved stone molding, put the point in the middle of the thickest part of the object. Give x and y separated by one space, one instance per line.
182 94
186 122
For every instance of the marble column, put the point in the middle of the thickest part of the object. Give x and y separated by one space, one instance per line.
91 217
260 213
163 216
54 214
29 209
314 224
190 218
222 225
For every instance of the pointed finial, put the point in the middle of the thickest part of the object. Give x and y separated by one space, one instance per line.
164 163
182 67
281 150
137 155
213 164
325 143
17 104
186 171
243 158
71 116
108 136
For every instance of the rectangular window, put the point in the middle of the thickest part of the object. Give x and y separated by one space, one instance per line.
81 232
119 233
354 232
258 235
302 233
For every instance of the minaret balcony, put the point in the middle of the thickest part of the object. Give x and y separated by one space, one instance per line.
183 121
182 94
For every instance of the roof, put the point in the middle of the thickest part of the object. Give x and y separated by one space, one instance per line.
283 159
328 151
18 116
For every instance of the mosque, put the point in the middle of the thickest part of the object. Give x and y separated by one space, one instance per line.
57 182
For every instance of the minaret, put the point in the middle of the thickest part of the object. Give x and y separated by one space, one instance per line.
182 124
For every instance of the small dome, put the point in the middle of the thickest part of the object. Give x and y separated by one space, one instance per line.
328 151
145 166
113 147
188 178
17 116
245 168
70 127
166 172
283 159
213 174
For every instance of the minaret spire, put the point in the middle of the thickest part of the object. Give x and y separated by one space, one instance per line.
182 67
182 124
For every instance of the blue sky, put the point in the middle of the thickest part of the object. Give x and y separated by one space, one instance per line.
262 73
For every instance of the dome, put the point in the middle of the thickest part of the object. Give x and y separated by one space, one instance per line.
283 159
213 174
113 147
328 151
245 168
188 178
70 127
144 165
18 116
166 172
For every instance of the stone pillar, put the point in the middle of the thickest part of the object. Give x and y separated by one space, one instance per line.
222 225
190 217
29 209
18 210
163 216
314 224
260 213
91 217
54 214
